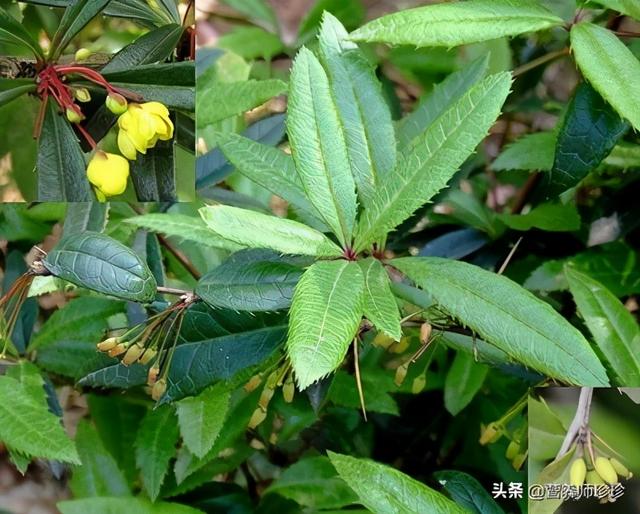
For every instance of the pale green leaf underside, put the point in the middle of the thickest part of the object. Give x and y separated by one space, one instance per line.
426 166
28 426
363 111
609 66
324 318
182 227
503 313
380 306
256 230
614 330
318 146
201 418
438 101
458 23
386 490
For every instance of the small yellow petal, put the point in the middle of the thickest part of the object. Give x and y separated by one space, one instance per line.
126 146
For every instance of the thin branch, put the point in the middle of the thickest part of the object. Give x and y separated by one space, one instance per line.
509 257
580 420
358 380
172 290
543 59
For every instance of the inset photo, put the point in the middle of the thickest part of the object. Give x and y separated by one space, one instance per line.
584 450
97 101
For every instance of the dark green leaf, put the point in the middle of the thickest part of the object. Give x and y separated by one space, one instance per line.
153 173
590 130
175 97
108 505
85 216
75 18
100 263
197 365
98 474
11 94
464 379
61 166
117 376
616 333
351 14
14 32
169 74
152 47
468 492
251 280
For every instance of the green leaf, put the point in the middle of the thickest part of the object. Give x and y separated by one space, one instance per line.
624 156
251 43
98 475
152 47
117 505
155 446
256 230
425 167
380 306
546 431
153 174
467 492
531 152
324 318
222 100
590 130
555 473
250 280
508 316
182 98
14 32
201 418
458 23
464 379
384 489
609 66
438 101
628 7
10 94
551 217
363 112
318 146
377 386
313 482
85 216
257 10
351 13
167 74
28 426
100 263
139 10
62 174
616 333
183 228
116 376
197 365
268 167
75 18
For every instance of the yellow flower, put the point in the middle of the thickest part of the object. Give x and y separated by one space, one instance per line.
108 173
141 127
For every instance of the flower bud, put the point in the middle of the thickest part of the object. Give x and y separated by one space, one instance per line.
288 391
158 389
382 340
512 450
265 397
419 384
74 116
81 94
400 346
133 354
117 350
593 478
257 417
578 472
401 373
605 470
620 468
108 344
152 375
147 356
116 103
82 54
490 434
253 383
108 173
425 333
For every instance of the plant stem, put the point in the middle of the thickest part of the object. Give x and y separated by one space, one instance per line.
543 59
580 420
172 290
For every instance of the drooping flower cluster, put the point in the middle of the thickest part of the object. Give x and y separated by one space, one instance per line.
140 125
